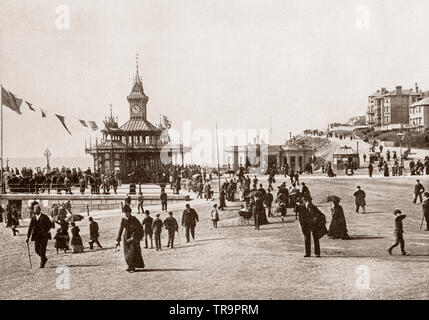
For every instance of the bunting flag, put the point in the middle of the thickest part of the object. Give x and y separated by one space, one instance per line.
30 106
61 118
93 125
83 123
10 101
43 113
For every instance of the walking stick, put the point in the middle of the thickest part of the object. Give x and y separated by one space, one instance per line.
29 256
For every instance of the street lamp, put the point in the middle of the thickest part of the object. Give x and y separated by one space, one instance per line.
401 136
47 155
7 163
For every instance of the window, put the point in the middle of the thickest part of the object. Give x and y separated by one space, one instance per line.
147 139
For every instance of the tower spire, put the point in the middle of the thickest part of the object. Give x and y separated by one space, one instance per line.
137 77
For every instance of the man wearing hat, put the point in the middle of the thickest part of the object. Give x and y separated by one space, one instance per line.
398 232
157 228
39 232
189 221
360 199
148 232
171 225
425 207
418 191
93 233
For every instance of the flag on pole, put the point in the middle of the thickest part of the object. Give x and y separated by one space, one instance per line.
43 113
30 106
166 122
10 101
93 125
83 123
62 120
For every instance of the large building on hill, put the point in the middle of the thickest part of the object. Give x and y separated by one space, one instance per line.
137 148
389 109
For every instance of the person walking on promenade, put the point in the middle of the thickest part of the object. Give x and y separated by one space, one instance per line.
148 231
214 214
370 169
268 201
313 223
189 221
425 207
418 191
157 229
360 199
398 232
93 234
132 231
170 223
39 232
164 200
140 200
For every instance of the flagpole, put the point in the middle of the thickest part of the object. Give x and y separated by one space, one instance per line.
218 167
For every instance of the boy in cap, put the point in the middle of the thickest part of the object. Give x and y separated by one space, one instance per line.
93 233
170 223
157 228
148 232
398 232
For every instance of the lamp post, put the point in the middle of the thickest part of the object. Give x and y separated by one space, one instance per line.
7 163
47 155
401 137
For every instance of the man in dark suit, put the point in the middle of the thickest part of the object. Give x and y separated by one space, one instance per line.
312 222
39 232
418 191
189 221
425 207
268 202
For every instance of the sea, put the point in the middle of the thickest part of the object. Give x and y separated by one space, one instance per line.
68 162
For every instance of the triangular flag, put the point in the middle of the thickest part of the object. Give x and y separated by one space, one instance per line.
43 113
61 118
30 106
93 125
83 123
10 101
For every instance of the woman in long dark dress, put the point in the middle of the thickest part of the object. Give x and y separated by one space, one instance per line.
338 226
133 234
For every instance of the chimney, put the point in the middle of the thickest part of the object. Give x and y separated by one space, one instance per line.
398 90
417 88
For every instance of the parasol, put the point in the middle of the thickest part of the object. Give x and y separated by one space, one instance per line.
333 198
75 217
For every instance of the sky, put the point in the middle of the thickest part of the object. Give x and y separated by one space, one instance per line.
243 64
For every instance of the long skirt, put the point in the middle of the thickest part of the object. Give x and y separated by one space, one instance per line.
133 254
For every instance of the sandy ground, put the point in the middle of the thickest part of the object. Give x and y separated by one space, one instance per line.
237 262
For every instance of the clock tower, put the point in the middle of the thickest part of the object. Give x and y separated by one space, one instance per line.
137 99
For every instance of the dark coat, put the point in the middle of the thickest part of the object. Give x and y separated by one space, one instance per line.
170 224
189 218
93 230
157 225
147 224
132 237
39 229
425 207
312 220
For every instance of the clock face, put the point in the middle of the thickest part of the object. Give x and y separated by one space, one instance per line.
135 109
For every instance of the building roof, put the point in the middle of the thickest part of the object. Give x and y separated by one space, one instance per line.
138 125
345 151
423 102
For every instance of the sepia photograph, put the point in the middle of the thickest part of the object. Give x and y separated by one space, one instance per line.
214 150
